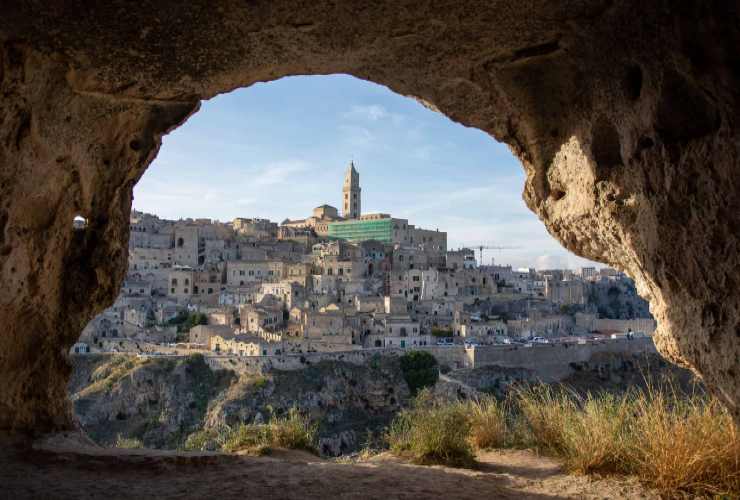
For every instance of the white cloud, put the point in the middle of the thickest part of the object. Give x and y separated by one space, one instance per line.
277 173
550 262
371 112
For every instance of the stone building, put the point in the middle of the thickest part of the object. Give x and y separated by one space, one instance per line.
202 334
260 229
240 273
565 292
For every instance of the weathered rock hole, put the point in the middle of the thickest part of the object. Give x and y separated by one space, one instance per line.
605 146
644 143
557 194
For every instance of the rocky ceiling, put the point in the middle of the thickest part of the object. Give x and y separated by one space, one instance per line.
624 115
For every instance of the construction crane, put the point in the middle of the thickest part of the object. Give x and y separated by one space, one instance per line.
491 247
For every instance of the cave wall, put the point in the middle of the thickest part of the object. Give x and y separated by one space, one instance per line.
623 115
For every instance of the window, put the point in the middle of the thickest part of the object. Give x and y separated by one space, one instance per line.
172 290
186 290
187 281
174 281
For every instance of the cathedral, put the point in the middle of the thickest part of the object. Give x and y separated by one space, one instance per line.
323 215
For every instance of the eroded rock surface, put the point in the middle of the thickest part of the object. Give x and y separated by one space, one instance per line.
161 402
624 115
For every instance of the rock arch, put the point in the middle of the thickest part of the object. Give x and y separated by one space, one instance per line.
624 115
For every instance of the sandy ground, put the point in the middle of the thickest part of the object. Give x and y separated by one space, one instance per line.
64 467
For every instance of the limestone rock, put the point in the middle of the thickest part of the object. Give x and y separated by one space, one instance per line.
624 115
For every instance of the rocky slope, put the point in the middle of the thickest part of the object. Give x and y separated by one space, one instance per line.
158 402
161 401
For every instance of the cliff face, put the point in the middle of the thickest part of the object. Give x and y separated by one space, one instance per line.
161 401
158 402
603 371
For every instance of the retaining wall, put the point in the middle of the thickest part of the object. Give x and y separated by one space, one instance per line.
551 362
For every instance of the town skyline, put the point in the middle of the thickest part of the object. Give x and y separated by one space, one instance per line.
408 156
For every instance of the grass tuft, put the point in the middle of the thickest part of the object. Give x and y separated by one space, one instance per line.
293 431
128 443
432 432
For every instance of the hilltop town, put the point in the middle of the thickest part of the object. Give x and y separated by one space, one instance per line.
337 283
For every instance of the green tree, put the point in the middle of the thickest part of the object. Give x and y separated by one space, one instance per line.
420 370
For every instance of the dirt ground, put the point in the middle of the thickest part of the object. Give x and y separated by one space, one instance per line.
65 467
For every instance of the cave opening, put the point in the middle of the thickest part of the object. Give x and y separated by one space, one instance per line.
254 177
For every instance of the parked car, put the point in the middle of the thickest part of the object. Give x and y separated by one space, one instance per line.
471 343
540 340
446 341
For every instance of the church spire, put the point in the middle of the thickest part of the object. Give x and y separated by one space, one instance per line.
351 193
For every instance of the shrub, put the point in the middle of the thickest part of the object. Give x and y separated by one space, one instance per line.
211 439
260 383
252 438
419 370
293 431
432 432
128 443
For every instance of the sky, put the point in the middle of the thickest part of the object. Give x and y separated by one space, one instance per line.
276 150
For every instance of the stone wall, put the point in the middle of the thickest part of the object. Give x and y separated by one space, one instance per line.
453 356
591 323
552 362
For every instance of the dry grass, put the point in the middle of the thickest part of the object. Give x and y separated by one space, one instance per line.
128 443
107 374
432 432
488 423
293 431
678 444
682 445
689 445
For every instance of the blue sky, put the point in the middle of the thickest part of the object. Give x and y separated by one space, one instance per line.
278 149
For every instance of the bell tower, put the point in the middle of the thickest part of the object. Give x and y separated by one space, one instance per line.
351 201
